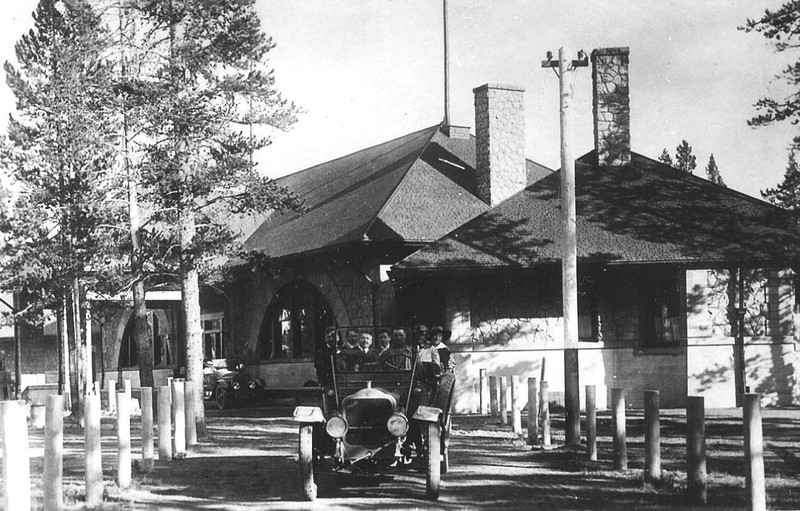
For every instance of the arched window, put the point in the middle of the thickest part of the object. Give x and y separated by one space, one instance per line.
295 318
128 352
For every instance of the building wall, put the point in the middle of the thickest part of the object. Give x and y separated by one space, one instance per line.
512 326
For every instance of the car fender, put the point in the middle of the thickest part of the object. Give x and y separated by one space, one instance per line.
308 414
427 414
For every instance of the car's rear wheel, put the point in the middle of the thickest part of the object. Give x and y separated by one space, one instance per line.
222 397
446 445
307 461
433 473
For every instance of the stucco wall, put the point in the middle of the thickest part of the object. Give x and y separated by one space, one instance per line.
511 326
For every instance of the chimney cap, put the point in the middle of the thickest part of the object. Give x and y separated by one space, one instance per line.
619 50
486 86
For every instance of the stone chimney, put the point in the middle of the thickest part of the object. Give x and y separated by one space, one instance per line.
611 106
500 142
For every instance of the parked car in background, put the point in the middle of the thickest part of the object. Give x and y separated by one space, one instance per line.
228 385
377 417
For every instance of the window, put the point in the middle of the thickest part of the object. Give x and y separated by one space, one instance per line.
588 318
213 345
294 322
128 352
660 312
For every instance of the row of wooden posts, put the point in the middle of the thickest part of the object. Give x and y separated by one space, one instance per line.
176 432
697 477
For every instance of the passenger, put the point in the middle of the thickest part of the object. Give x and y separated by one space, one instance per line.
384 342
438 338
368 354
351 351
426 351
327 354
398 356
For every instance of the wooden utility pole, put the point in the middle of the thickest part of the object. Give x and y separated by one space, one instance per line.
446 68
569 260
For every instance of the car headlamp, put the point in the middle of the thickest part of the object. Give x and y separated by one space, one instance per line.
236 385
397 424
330 392
336 426
252 384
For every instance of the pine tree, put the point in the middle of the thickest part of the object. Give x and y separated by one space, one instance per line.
684 159
666 158
58 236
782 27
787 193
713 172
196 165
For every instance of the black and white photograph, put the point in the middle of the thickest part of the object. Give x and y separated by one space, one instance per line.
399 254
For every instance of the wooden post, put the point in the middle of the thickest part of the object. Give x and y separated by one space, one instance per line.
754 453
93 453
533 411
128 386
618 423
191 426
503 400
652 436
52 477
591 422
178 418
493 396
516 411
696 450
123 439
545 415
484 390
147 429
164 425
16 459
111 391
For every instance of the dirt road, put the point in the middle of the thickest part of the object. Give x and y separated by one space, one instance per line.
248 461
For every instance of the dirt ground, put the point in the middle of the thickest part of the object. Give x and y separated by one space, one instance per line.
248 461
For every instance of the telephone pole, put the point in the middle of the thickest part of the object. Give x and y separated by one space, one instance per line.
446 68
569 259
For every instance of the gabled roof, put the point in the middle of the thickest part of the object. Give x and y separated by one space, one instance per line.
412 189
646 212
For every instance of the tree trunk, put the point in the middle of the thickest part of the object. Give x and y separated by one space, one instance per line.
144 342
141 330
63 338
190 289
75 359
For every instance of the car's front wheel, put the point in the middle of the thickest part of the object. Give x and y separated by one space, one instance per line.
433 458
222 397
306 461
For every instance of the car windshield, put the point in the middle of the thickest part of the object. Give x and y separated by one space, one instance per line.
370 349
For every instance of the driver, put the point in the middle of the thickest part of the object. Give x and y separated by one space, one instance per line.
325 355
398 356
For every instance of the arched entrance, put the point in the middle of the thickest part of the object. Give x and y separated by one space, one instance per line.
294 320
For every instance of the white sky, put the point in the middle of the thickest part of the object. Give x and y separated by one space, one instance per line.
366 71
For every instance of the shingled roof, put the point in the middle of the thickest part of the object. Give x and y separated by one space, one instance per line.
646 212
414 189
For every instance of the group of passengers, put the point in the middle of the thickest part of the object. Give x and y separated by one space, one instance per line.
357 352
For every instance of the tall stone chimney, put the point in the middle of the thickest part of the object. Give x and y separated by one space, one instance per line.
611 106
500 142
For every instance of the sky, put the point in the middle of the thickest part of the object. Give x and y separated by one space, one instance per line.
368 71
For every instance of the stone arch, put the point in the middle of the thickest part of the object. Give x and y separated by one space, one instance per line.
293 321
